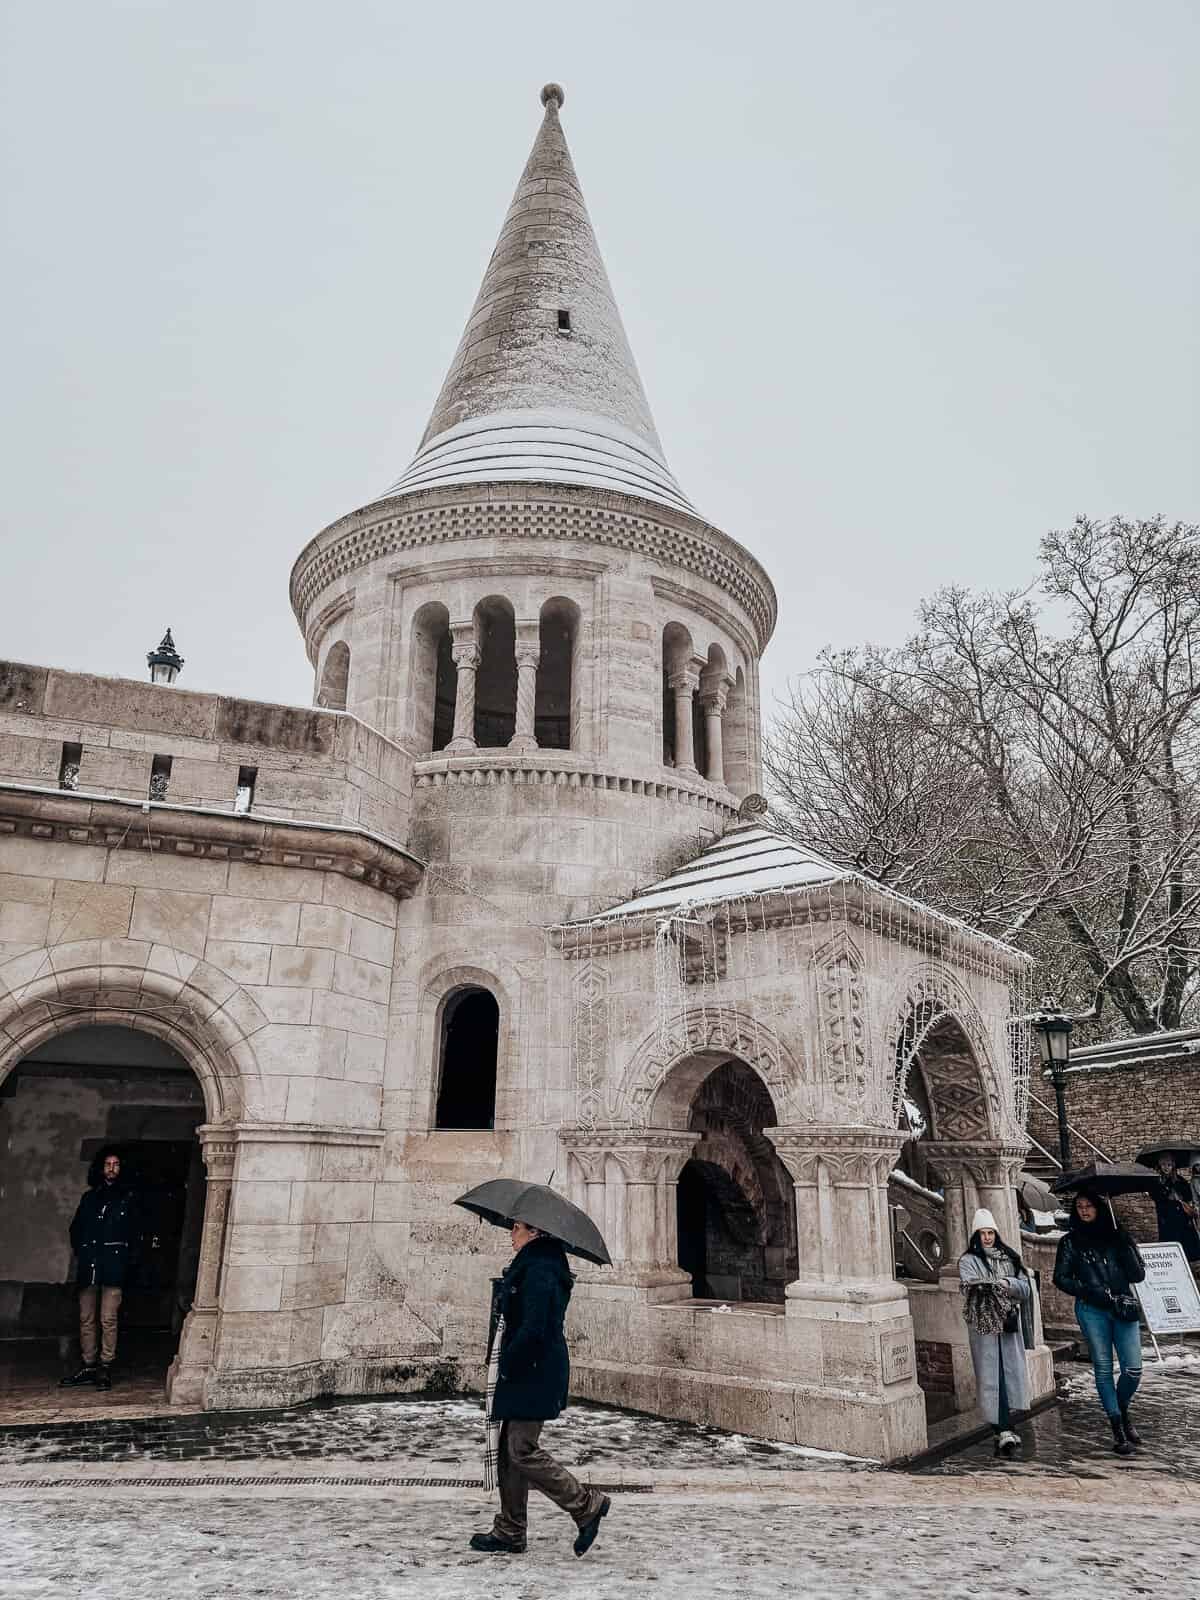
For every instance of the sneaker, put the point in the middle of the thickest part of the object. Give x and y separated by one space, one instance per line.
589 1529
1008 1443
84 1375
495 1545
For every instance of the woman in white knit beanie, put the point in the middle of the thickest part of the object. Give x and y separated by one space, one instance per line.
997 1308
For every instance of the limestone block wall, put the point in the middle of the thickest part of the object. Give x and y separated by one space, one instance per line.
310 765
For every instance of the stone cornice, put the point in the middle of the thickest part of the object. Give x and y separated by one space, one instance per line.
432 517
566 769
108 822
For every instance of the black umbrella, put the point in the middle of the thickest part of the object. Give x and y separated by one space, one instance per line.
1183 1154
1108 1178
503 1201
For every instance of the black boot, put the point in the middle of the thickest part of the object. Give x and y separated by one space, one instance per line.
588 1530
494 1545
103 1377
1121 1442
1131 1432
84 1375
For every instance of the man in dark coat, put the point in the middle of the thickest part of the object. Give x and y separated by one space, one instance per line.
105 1236
531 1389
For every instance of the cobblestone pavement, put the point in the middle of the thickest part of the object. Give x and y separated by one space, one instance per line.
378 1547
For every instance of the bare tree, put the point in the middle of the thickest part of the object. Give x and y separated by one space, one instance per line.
1029 762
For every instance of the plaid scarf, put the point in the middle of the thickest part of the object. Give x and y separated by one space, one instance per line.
491 1448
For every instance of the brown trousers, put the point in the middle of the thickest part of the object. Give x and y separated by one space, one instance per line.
107 1302
523 1462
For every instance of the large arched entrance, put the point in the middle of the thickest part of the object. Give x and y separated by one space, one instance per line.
735 1211
64 1100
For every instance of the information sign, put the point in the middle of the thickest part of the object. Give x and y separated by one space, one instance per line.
1169 1297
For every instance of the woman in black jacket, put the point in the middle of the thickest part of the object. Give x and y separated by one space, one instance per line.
531 1378
1098 1263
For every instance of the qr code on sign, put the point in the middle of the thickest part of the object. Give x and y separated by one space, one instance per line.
1172 1306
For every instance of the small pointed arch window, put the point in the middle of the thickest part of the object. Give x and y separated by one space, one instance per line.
335 678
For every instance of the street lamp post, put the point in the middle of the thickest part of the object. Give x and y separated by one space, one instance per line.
165 662
1054 1041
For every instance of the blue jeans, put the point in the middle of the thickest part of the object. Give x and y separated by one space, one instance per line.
1104 1334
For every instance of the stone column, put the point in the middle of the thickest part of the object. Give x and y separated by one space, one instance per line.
465 652
848 1318
528 655
976 1173
193 1360
713 701
684 684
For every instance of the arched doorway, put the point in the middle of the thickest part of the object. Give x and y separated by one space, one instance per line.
72 1095
735 1211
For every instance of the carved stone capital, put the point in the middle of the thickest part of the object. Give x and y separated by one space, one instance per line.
853 1157
684 681
986 1164
715 699
528 656
652 1157
466 655
218 1149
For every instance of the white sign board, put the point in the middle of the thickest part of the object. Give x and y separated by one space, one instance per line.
1169 1297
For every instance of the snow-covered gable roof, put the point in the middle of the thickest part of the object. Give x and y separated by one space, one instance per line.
747 860
543 386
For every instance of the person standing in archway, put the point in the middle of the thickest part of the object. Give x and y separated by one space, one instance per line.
105 1236
998 1311
528 1376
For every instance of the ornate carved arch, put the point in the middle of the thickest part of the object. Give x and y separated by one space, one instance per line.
934 1016
189 1004
704 1035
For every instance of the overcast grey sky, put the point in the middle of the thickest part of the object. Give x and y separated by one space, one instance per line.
907 283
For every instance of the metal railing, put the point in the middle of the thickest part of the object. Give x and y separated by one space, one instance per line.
1071 1129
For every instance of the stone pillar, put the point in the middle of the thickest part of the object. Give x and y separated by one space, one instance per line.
848 1316
528 655
185 1379
684 684
465 653
713 701
629 1179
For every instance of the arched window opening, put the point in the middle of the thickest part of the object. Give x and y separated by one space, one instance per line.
676 655
433 682
552 720
738 774
496 681
467 1080
735 1206
335 678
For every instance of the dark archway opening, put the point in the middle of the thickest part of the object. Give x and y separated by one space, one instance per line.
735 1207
496 680
467 1080
444 692
77 1093
555 687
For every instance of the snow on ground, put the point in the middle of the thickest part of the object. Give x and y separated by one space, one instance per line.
375 1549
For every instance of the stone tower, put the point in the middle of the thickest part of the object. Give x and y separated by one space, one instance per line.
534 610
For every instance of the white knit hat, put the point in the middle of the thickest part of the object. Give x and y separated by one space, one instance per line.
983 1219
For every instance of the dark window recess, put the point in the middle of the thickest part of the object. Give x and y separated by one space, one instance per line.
160 777
244 797
564 322
470 1034
68 770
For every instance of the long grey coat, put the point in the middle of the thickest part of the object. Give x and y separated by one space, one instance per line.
988 1349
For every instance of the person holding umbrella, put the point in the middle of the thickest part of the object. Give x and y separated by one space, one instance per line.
1175 1210
1098 1264
528 1365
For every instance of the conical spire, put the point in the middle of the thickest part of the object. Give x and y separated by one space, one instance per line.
543 386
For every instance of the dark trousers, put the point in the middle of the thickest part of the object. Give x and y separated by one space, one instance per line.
1004 1412
523 1463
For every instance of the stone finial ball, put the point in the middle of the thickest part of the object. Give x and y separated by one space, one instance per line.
553 93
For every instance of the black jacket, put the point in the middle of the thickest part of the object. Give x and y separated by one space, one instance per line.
1096 1262
106 1236
532 1296
1174 1224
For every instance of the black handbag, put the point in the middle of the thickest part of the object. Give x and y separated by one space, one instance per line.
1126 1308
1012 1322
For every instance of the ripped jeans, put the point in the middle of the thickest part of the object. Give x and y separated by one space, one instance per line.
1105 1333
